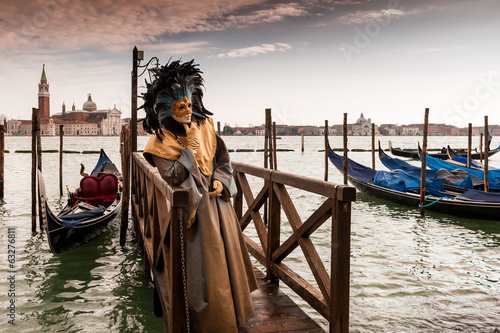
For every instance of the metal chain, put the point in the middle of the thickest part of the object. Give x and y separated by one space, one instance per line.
183 265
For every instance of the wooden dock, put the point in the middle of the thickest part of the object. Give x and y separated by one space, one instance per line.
160 213
276 312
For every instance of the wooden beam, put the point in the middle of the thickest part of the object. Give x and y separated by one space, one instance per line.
424 163
486 153
469 145
305 230
340 267
326 151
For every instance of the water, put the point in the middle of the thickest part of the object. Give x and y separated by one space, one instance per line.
408 274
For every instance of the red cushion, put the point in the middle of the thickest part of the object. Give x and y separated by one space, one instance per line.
99 191
89 187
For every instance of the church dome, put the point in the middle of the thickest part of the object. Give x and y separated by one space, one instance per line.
361 119
89 105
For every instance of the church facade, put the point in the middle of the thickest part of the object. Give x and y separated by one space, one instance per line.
87 121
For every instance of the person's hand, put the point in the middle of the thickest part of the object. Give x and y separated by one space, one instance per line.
193 136
218 187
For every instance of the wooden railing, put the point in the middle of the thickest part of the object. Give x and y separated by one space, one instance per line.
332 298
159 211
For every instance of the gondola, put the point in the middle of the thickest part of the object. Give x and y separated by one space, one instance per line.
493 174
441 155
472 203
462 160
451 178
89 209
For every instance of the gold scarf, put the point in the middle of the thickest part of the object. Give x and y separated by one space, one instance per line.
171 149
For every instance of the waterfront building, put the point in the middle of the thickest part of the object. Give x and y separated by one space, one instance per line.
82 122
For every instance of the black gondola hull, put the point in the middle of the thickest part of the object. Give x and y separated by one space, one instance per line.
61 238
460 208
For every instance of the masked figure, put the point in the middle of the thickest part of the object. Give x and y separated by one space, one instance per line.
188 153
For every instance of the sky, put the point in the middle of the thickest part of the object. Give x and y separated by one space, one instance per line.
309 61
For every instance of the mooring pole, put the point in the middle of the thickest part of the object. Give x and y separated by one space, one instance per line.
326 150
373 146
424 163
266 142
481 148
486 153
274 147
269 125
125 152
34 117
302 141
218 128
469 145
61 134
133 126
345 148
2 156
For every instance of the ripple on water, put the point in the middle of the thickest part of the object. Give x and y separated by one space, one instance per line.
408 274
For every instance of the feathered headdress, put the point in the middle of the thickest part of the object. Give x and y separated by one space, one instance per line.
174 82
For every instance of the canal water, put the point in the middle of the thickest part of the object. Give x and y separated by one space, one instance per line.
408 274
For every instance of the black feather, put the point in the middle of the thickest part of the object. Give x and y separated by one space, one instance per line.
186 75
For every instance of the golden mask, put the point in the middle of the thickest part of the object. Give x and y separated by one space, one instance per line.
182 107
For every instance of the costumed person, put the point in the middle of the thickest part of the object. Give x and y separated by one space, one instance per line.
188 153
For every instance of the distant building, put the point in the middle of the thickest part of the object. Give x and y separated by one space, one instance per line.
87 121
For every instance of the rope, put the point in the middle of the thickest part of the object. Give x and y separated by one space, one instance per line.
432 203
1 181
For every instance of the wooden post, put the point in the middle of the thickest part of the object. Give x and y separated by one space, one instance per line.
218 128
340 259
34 117
125 150
133 109
345 148
266 158
61 134
270 138
469 145
486 153
275 159
302 141
274 228
38 143
326 150
266 142
481 148
424 163
373 146
2 156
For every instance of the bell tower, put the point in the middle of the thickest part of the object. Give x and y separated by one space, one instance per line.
44 96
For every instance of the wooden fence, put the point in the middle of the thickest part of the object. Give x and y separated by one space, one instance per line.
160 214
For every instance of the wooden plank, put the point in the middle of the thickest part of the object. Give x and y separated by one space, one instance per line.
305 183
274 230
276 312
255 250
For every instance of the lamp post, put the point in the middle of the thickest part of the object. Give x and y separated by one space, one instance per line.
137 56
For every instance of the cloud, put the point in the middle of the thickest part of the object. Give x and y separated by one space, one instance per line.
115 25
360 17
252 51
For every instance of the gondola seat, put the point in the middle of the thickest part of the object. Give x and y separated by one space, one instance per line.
98 191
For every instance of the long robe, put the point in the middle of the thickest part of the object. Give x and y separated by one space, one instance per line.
220 273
